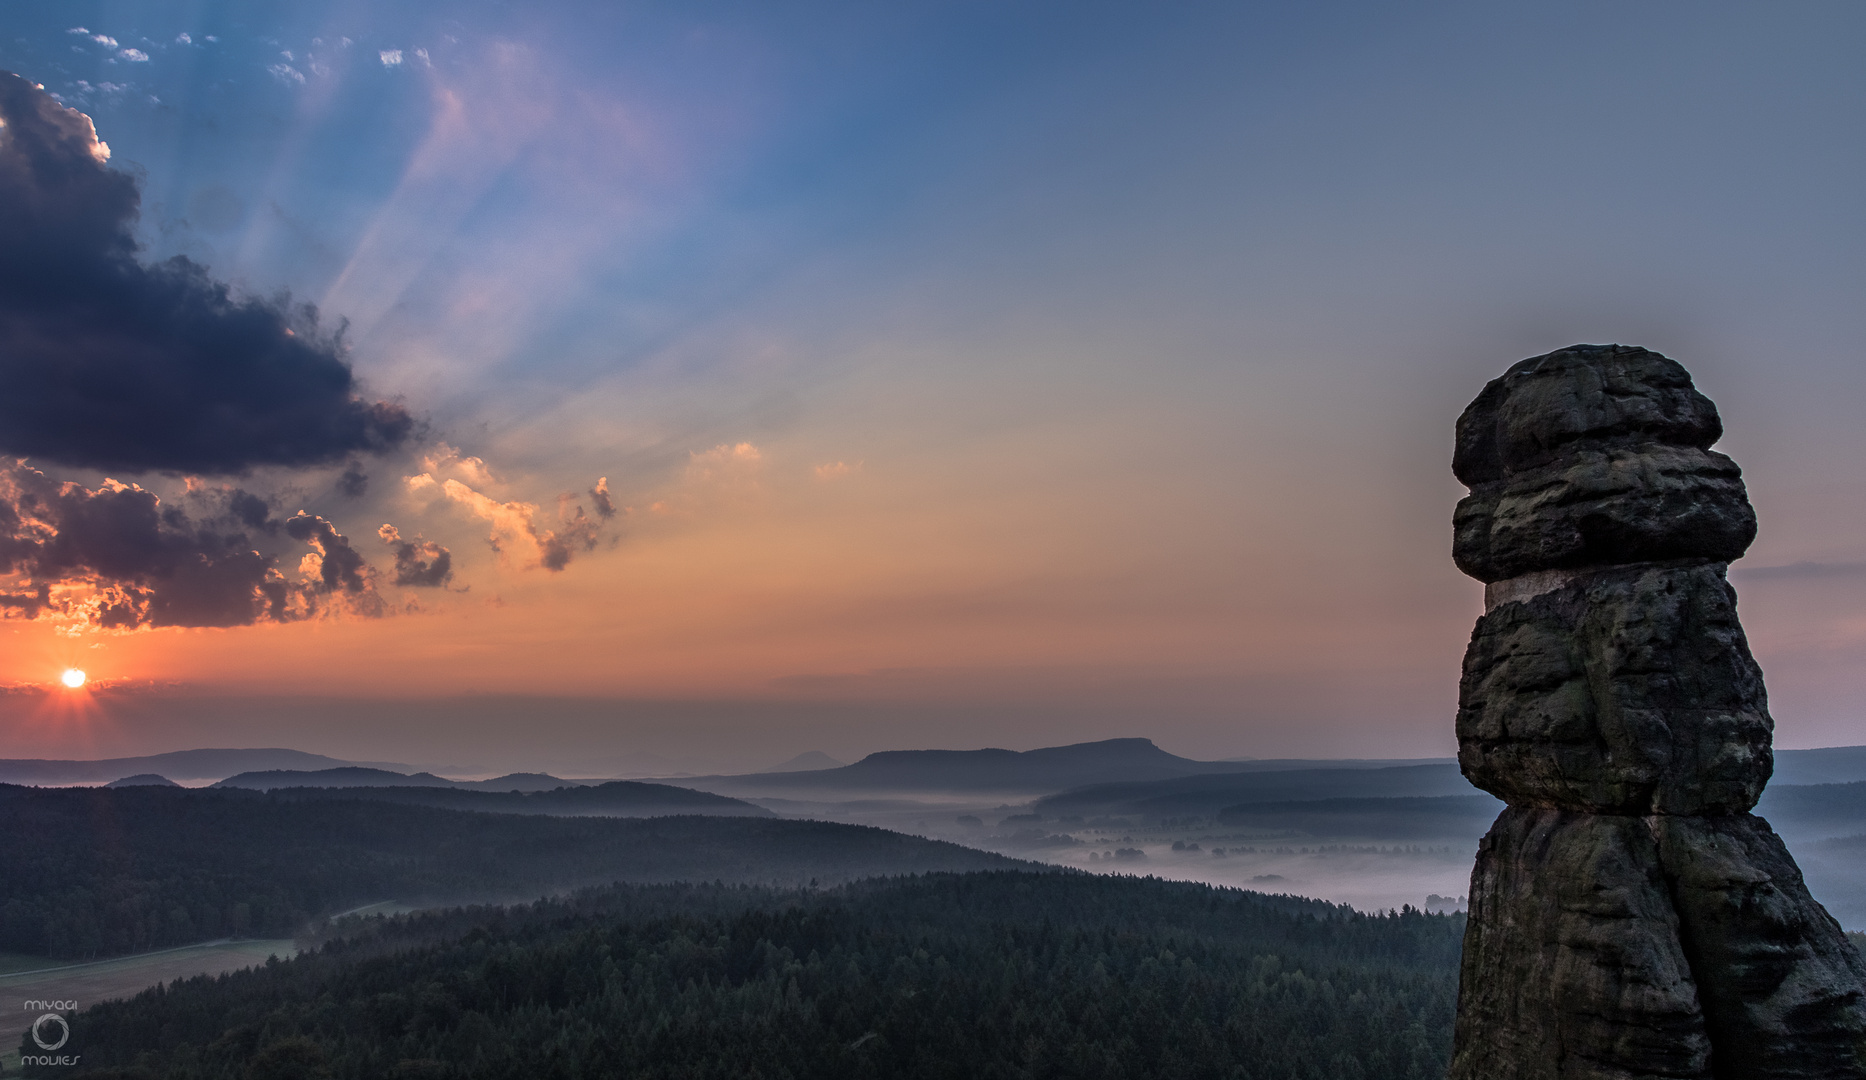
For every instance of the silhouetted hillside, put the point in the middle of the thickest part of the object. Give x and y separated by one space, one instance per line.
352 776
143 780
349 776
185 764
1051 769
521 781
97 872
618 798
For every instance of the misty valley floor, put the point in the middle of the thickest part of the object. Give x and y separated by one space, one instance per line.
1133 928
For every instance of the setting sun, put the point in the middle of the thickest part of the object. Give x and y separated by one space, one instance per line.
72 678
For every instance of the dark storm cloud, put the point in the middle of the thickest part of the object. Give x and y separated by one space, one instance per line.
354 483
28 603
418 562
116 557
108 363
144 564
251 511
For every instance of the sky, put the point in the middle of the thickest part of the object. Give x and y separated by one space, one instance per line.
679 387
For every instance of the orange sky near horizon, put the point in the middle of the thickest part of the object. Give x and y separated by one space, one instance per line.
959 382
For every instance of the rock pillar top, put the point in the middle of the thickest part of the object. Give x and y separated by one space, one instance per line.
1594 455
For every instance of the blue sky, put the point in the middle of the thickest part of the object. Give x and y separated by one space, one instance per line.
1137 332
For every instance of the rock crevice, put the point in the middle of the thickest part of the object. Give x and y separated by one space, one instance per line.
1629 917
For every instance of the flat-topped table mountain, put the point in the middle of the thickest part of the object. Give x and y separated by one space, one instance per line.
1012 772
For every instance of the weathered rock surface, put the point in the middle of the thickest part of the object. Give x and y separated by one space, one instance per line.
1780 983
1629 919
1593 455
1575 941
1628 690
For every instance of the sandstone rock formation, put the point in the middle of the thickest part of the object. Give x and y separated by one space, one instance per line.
1629 918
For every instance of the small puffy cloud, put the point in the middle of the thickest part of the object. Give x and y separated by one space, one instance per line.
575 529
836 470
287 74
134 56
85 87
512 525
337 565
418 562
113 364
515 530
727 461
390 57
105 40
599 497
471 469
183 38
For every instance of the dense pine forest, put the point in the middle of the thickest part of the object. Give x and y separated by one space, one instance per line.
93 872
976 976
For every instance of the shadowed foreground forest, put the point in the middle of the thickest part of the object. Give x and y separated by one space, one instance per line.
109 872
964 976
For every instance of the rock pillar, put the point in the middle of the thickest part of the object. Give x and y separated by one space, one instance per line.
1629 918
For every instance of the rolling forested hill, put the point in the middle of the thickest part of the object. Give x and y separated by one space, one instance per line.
617 798
968 977
98 872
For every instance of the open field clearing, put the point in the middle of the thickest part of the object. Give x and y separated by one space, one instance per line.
124 976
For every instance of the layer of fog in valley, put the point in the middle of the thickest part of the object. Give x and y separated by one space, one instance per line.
1373 834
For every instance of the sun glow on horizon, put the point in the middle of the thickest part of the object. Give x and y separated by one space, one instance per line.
73 677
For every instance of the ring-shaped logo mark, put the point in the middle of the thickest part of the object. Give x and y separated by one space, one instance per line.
64 1031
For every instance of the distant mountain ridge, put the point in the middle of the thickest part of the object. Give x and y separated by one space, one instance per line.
617 798
343 776
808 761
143 780
1827 765
207 764
1045 771
352 776
1027 772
